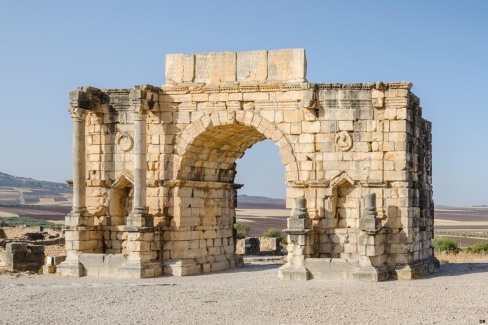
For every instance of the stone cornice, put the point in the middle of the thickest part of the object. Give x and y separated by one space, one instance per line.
88 98
198 184
192 88
115 91
236 87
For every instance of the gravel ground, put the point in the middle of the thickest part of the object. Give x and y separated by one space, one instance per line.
458 294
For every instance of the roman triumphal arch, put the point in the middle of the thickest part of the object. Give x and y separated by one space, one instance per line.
154 171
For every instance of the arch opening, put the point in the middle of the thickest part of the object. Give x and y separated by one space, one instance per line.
205 196
261 201
212 156
209 147
261 171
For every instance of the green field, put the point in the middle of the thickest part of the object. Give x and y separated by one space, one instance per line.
29 221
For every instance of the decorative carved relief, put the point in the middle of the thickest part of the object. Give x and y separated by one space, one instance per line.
309 99
248 106
378 102
125 142
343 141
139 110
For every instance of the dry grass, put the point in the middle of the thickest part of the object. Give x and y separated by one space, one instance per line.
461 257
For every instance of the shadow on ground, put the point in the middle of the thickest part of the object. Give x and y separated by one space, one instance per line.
456 269
252 267
446 270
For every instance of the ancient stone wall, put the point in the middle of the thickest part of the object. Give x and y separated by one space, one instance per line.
154 167
24 257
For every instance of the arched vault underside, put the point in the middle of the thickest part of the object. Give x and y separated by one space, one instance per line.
211 157
209 154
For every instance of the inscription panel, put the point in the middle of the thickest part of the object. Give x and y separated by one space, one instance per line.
218 67
174 69
252 65
179 68
215 67
226 67
287 65
188 62
202 67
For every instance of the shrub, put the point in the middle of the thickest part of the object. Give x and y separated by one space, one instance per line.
24 220
445 245
242 229
478 248
272 233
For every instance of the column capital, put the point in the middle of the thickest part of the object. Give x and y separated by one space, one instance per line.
139 111
142 100
87 98
78 113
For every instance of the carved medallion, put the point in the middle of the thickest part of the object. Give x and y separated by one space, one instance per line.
343 141
125 142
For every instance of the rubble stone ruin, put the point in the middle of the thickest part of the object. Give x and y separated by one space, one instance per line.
154 171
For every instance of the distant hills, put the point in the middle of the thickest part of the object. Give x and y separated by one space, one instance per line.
7 180
259 202
16 190
36 191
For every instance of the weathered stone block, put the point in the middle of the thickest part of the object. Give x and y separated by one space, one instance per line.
286 65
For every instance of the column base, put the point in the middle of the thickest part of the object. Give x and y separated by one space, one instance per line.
238 261
293 273
181 267
370 274
78 217
140 270
418 269
139 219
70 268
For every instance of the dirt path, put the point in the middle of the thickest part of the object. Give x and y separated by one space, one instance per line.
252 295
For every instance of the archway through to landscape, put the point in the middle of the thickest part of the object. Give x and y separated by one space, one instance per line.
206 192
210 146
261 201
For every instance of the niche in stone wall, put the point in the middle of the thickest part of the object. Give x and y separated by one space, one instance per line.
347 206
346 198
120 200
339 233
120 206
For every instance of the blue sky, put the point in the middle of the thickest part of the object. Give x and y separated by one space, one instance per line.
51 47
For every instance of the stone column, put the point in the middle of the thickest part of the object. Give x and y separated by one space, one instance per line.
298 231
77 220
141 260
371 244
78 215
139 217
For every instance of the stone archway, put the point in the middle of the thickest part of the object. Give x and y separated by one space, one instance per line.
357 159
216 140
204 190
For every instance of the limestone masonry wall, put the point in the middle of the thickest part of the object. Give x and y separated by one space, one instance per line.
154 168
